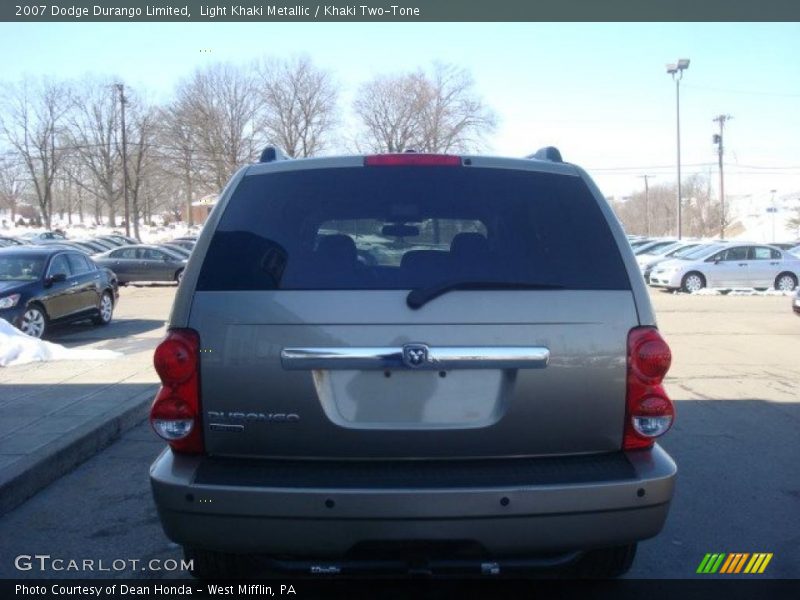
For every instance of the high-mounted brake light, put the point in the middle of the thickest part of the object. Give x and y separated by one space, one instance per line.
175 413
649 413
412 160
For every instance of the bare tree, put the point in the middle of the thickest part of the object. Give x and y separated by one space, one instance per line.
178 151
437 112
13 182
453 118
140 135
93 133
299 104
701 211
388 107
218 107
31 120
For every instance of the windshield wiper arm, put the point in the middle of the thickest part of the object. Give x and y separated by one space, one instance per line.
419 297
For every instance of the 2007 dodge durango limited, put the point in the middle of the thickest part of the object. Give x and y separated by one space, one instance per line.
412 363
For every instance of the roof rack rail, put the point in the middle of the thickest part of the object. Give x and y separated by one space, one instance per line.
550 153
271 154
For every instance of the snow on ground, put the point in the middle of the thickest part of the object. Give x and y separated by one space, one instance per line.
16 348
734 292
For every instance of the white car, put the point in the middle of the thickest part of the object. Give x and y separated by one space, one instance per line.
729 266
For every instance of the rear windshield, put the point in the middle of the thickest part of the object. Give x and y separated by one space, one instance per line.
410 227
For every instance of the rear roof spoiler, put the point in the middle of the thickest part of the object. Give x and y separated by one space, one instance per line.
550 153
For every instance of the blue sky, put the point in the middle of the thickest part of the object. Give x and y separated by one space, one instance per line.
598 91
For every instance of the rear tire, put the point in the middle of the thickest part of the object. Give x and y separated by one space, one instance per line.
785 282
693 282
106 310
607 563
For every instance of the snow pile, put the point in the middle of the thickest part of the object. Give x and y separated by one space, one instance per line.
16 348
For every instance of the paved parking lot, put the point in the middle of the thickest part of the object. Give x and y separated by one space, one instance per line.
735 379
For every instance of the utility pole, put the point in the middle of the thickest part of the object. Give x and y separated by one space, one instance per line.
121 89
718 140
646 201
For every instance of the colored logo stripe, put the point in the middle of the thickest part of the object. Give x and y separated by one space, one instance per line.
758 563
710 563
734 563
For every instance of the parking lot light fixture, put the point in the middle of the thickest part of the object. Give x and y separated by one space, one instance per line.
676 70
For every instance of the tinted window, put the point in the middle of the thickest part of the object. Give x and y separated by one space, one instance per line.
59 265
739 253
405 227
150 254
760 253
124 253
21 268
78 264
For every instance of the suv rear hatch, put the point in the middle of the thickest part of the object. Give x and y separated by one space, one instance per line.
412 311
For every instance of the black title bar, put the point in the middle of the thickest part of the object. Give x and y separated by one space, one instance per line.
377 11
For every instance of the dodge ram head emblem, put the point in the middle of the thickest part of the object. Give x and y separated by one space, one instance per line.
415 355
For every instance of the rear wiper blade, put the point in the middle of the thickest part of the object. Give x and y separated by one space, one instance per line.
419 297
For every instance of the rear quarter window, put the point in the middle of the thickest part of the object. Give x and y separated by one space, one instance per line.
409 227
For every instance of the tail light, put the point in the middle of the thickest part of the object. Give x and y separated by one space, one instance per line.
412 159
649 413
175 414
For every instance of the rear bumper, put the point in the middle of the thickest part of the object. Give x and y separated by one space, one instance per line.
328 521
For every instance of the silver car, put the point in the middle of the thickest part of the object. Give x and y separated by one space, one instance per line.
729 266
400 364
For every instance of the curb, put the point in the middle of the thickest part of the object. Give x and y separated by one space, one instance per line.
24 478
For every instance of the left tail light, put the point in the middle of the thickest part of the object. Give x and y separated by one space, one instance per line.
649 413
175 415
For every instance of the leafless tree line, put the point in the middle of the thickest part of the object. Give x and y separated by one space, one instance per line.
655 213
61 142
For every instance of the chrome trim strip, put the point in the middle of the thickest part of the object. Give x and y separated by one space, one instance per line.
438 358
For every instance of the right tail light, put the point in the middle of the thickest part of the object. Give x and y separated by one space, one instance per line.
649 413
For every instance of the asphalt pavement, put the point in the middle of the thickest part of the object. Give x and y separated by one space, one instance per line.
54 415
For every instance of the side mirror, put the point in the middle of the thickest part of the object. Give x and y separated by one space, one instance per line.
55 278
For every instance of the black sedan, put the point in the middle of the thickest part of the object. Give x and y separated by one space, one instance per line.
44 285
143 262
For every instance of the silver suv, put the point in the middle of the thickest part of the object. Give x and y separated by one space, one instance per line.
402 364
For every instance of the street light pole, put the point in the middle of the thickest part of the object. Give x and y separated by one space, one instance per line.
718 140
647 201
773 209
125 185
676 70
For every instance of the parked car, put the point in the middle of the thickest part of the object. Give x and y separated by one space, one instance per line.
125 239
648 260
185 244
796 301
174 248
80 245
143 263
34 237
115 241
794 250
105 244
41 286
728 266
10 241
653 246
486 401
